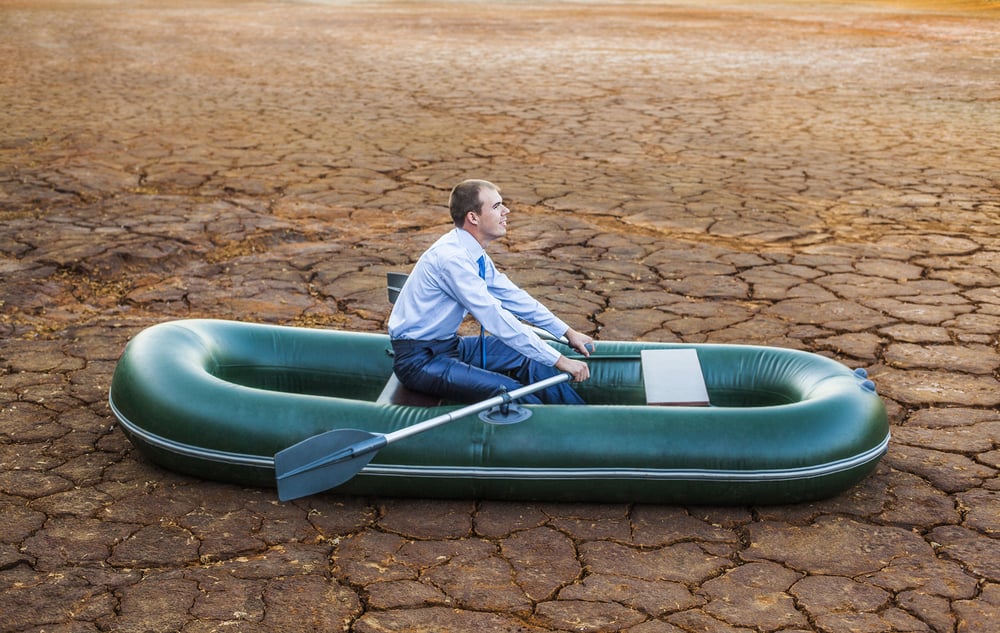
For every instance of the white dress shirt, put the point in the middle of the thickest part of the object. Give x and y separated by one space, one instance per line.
444 286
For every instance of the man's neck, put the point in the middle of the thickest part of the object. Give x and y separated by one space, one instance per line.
483 240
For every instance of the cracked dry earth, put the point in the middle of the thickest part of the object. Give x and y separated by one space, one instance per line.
814 175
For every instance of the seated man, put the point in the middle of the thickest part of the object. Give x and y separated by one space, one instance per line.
455 277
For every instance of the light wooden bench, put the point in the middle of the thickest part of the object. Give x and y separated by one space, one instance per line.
673 377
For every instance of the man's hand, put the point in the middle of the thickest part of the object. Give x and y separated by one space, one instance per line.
579 341
576 368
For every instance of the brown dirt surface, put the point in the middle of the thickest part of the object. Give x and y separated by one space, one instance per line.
808 174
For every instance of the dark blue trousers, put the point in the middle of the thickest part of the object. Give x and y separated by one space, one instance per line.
451 369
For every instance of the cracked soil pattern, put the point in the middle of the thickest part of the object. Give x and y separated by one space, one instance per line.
806 174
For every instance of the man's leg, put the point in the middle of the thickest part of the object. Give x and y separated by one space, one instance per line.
503 359
451 370
447 369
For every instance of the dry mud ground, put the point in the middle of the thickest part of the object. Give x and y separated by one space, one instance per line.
814 175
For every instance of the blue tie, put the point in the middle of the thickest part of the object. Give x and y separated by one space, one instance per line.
482 332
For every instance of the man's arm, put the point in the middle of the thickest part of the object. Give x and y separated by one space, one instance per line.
510 302
579 341
576 368
473 293
522 305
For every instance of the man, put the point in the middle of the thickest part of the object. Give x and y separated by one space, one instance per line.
455 277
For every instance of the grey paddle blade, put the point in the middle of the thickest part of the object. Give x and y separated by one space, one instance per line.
329 459
324 461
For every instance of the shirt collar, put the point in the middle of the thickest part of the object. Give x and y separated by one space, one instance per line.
470 243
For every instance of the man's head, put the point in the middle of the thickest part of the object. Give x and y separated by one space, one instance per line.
466 198
477 207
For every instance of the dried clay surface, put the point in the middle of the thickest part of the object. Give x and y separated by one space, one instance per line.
814 175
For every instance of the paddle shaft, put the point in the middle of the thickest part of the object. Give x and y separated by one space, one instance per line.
546 336
474 408
379 441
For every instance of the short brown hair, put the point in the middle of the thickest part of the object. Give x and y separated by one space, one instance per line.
465 197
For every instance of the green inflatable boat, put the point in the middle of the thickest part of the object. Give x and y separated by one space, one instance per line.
229 401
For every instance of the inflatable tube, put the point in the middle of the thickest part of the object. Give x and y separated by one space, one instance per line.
217 399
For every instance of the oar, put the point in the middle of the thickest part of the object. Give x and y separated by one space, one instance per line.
329 459
546 336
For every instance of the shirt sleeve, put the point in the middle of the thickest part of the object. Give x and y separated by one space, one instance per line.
497 303
522 304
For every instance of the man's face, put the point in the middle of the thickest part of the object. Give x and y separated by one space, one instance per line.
492 216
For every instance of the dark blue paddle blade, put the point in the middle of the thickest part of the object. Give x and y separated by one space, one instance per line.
324 461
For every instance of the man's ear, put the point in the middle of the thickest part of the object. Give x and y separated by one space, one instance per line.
472 217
